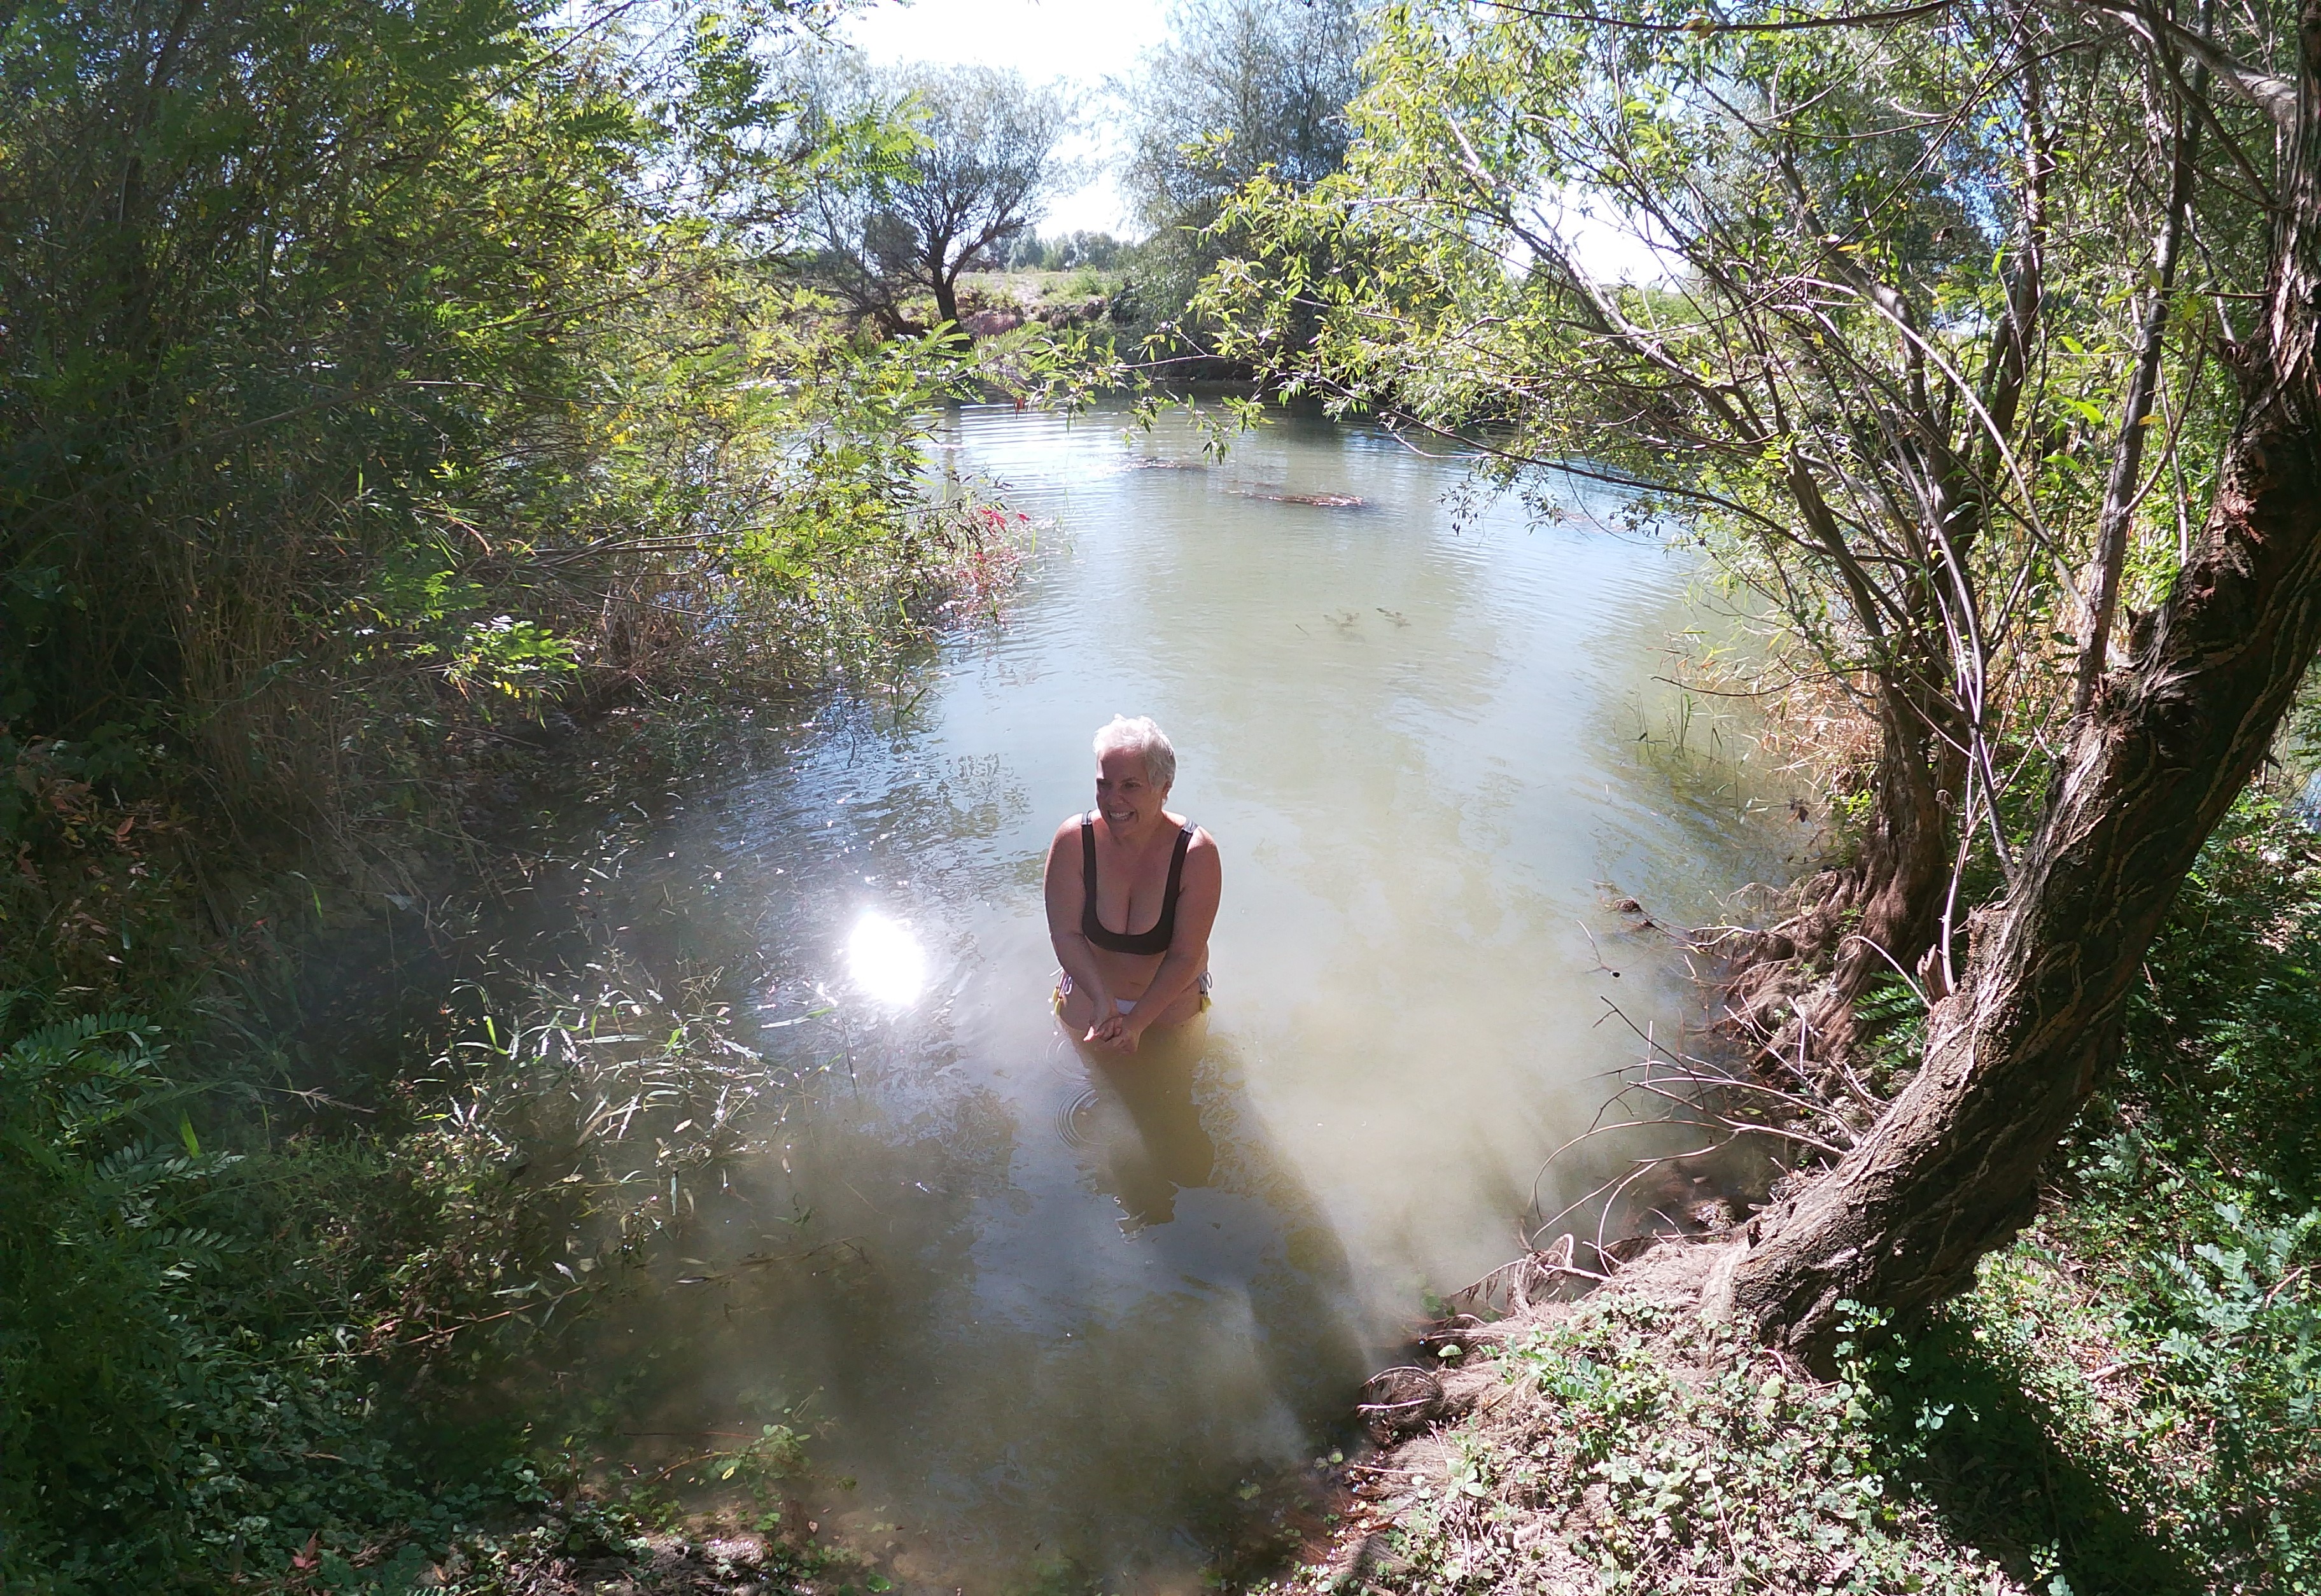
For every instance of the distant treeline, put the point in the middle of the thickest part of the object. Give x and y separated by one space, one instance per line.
1238 88
1066 252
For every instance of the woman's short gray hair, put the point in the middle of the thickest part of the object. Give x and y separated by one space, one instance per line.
1142 738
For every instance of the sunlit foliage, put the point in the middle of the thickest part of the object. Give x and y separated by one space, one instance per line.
371 372
1874 337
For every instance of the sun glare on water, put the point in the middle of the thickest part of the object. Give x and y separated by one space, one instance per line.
885 961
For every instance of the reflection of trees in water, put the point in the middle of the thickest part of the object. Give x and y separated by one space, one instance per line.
1175 1117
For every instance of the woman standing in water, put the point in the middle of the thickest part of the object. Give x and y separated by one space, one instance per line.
1130 863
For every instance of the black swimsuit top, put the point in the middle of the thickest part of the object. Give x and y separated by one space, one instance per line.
1164 929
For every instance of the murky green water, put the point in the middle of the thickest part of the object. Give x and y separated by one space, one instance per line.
1059 1321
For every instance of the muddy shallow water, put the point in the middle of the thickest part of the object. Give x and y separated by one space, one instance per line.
1064 1322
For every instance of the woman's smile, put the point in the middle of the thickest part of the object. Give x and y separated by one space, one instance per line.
1117 977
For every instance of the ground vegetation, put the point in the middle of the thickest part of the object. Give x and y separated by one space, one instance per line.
387 396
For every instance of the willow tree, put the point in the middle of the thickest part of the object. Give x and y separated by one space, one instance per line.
1238 88
2155 756
972 178
1928 360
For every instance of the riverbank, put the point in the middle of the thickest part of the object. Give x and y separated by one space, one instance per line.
2124 1403
270 1255
279 1246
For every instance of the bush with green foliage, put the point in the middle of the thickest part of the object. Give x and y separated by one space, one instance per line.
372 376
178 1396
374 385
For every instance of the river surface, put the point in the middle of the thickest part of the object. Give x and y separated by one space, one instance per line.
1063 1322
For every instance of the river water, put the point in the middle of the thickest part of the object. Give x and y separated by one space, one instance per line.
1063 1322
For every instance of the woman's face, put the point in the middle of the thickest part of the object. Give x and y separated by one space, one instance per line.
1127 799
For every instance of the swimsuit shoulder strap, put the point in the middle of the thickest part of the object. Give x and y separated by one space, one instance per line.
1091 925
1176 874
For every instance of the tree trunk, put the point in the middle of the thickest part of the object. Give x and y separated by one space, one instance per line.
1885 908
1952 1170
946 291
1900 877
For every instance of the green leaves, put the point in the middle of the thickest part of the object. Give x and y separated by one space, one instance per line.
1664 1451
377 373
519 660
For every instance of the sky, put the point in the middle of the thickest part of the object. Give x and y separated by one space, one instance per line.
1086 41
1083 41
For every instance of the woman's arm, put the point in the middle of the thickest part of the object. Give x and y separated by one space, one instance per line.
1066 895
1198 896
